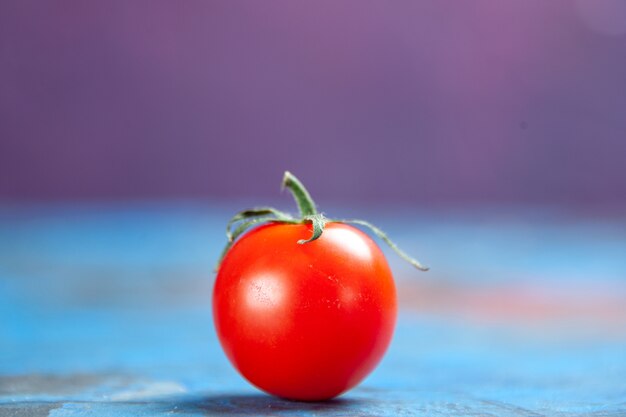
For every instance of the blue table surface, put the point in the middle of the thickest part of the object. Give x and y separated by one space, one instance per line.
105 310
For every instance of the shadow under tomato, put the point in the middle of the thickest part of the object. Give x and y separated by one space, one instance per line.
265 405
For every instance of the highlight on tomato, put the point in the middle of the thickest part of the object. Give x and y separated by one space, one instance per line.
304 307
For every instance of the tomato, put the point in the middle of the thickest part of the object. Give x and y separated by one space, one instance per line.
304 307
304 322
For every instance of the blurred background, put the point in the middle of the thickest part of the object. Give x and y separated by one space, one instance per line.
488 138
426 103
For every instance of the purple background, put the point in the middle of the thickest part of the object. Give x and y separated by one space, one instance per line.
425 102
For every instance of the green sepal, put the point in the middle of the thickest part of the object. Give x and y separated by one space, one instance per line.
378 232
255 212
318 221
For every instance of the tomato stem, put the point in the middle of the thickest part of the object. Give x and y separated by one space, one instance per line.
300 194
242 221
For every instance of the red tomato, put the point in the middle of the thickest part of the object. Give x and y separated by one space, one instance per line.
304 322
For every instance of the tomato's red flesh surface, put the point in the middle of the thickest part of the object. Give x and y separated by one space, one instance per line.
304 322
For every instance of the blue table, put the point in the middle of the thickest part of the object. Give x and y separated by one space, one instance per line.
105 310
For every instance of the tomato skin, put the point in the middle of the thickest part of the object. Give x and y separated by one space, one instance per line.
304 322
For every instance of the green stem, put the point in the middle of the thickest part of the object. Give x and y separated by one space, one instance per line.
300 194
308 214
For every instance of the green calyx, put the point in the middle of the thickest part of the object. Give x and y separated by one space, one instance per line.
246 219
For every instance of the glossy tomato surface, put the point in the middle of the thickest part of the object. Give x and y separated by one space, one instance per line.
304 322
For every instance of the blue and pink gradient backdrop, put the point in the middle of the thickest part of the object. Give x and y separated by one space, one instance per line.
424 102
